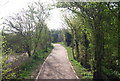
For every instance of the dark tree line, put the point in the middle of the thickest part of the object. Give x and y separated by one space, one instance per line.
56 36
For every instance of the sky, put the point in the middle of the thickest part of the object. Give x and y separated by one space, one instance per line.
9 7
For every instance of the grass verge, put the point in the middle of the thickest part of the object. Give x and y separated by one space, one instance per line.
33 63
82 72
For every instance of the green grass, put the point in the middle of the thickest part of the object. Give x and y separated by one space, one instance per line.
79 69
33 62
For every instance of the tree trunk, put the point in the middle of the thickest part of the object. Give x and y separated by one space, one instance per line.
77 44
86 59
73 43
119 36
77 50
28 51
99 52
86 45
73 51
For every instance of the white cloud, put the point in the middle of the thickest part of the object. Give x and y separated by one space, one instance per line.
55 19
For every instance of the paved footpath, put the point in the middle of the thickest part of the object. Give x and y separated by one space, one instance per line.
57 65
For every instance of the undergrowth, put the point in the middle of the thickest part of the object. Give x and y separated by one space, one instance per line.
32 63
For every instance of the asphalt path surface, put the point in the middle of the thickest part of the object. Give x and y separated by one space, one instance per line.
57 65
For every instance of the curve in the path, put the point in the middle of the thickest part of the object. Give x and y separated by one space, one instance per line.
57 65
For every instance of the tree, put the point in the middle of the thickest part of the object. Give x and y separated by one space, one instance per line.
28 26
97 24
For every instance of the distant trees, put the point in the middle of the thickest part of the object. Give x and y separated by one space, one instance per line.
56 36
95 37
68 38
